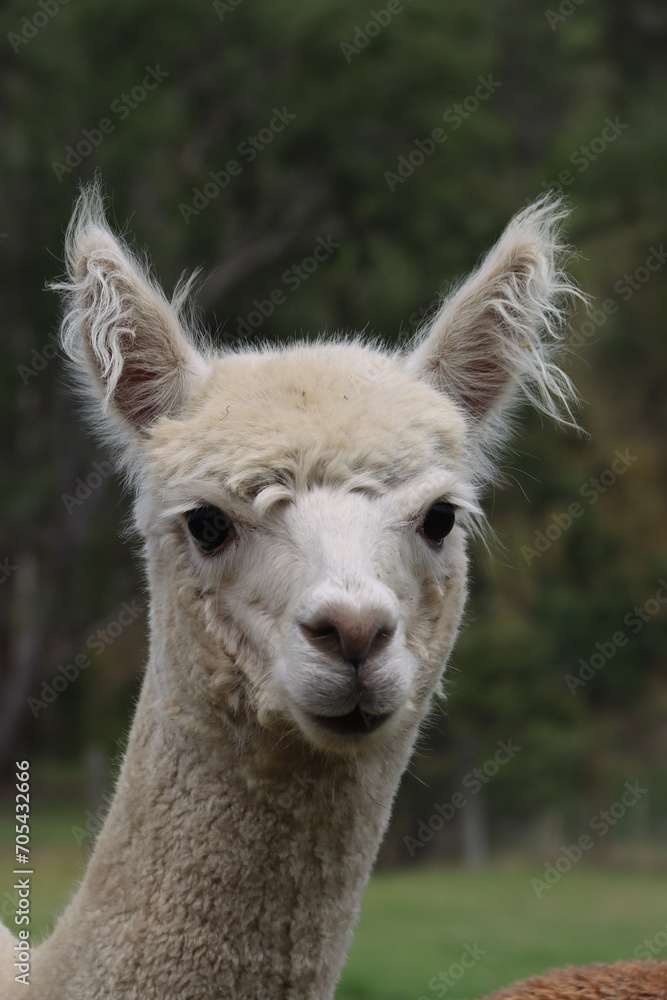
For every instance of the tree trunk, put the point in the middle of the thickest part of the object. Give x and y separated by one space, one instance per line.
474 834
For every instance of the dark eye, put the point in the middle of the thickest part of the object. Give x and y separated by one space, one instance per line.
209 527
438 522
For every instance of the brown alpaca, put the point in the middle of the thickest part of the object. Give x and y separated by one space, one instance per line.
633 980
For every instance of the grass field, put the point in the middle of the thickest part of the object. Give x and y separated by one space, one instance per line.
416 925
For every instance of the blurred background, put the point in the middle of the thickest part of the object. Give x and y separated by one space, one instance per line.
332 165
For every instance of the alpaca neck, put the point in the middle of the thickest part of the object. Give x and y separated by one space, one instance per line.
221 871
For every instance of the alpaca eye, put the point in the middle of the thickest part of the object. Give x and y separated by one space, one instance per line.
438 522
209 527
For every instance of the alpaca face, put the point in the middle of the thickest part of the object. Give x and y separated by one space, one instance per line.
323 533
305 510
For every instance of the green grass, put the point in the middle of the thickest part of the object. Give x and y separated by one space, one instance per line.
416 924
55 858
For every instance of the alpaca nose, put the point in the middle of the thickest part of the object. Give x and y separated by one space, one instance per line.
354 633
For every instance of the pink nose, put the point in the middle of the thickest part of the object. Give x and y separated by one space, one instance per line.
354 633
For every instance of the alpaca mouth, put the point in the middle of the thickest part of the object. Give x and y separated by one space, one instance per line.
355 723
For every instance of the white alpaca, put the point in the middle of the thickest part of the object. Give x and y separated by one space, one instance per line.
305 516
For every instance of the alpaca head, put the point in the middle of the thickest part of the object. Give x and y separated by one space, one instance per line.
305 510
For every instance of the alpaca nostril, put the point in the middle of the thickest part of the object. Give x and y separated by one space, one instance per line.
348 632
323 636
319 633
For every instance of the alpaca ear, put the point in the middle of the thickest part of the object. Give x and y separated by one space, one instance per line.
497 331
119 326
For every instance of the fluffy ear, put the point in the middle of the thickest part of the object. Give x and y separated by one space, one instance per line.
497 331
120 328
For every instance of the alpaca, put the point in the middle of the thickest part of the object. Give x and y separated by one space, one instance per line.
633 980
304 514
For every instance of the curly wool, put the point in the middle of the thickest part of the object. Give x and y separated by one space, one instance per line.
633 980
